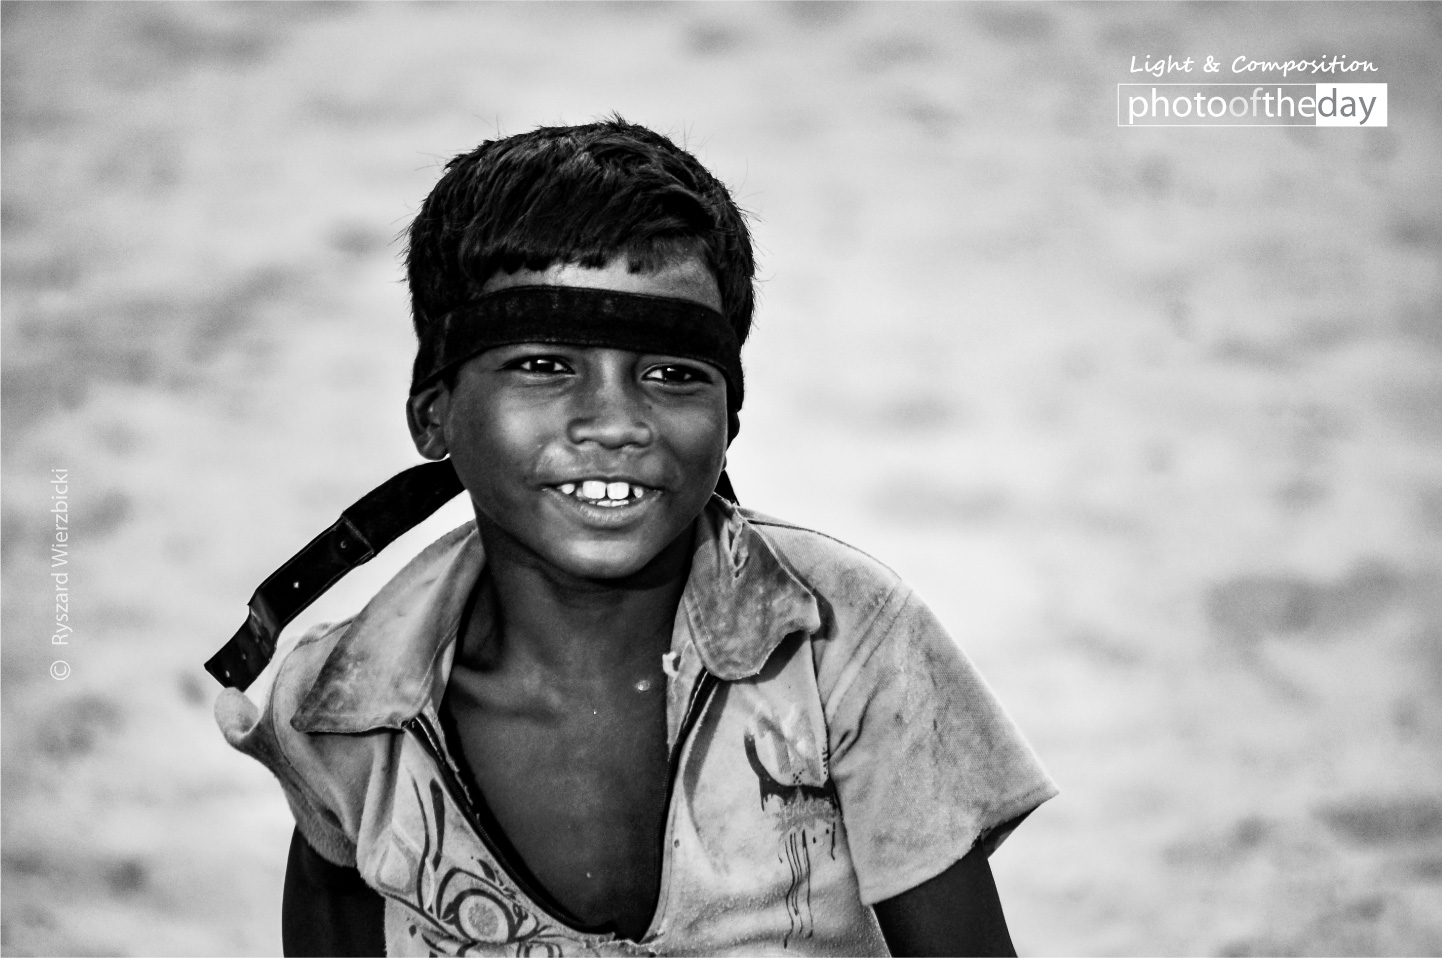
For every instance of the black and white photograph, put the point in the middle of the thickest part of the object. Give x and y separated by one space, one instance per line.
694 478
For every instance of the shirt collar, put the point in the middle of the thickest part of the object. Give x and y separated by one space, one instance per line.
740 602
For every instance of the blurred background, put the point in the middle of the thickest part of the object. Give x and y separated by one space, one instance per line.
1152 417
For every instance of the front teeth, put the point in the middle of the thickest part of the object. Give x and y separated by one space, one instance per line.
600 493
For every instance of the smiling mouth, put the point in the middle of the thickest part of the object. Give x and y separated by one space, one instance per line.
607 495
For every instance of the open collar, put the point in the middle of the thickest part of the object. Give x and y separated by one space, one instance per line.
740 602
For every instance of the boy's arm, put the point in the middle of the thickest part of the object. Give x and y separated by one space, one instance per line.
327 909
956 913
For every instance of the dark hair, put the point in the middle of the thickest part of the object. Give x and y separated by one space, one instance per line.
575 194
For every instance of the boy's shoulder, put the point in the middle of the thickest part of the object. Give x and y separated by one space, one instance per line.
862 604
273 700
298 667
277 690
824 562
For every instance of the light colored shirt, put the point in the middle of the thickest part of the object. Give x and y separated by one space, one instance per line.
831 748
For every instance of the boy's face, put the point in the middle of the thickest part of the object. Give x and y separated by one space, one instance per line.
591 460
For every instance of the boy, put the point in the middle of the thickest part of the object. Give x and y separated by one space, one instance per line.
616 714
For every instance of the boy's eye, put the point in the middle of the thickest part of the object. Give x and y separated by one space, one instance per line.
676 374
540 365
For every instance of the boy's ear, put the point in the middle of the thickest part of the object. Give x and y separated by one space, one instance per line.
426 415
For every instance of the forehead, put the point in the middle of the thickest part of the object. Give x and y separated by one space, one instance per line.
687 278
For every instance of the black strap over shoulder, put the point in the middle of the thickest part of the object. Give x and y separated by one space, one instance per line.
367 527
373 522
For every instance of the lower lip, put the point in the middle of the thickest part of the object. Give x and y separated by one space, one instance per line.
607 517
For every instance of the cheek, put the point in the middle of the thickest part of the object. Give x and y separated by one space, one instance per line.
699 439
494 440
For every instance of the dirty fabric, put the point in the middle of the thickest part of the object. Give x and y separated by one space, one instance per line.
844 752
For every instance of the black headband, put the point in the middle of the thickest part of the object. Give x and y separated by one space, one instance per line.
582 316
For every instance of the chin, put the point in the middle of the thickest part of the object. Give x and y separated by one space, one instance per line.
606 560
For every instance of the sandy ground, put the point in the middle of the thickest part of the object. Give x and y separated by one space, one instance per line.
1152 417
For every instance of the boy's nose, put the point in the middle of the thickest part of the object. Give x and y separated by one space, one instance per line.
613 412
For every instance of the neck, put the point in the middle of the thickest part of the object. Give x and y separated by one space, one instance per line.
582 628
